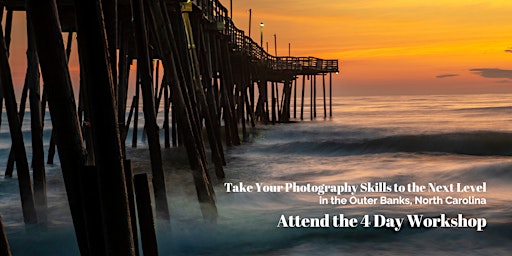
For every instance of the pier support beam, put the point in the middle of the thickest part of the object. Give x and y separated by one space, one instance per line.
295 97
145 212
5 250
181 108
302 98
7 87
330 94
96 67
325 104
21 116
199 92
143 63
53 61
311 98
314 96
38 170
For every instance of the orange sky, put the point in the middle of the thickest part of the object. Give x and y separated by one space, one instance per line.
384 46
394 46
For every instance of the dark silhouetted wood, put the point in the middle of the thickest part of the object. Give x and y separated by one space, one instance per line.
8 30
188 135
151 126
167 106
201 98
1 91
325 103
330 94
51 148
38 170
94 57
295 97
311 96
273 96
156 96
5 250
110 15
54 69
314 96
230 103
27 198
21 113
89 177
128 174
1 106
135 104
122 89
145 213
85 110
302 98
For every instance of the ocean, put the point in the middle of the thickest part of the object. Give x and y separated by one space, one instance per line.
454 147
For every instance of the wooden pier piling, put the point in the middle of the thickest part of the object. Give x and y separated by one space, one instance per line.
314 96
5 250
330 94
128 175
311 98
145 213
199 92
51 149
295 97
21 115
135 104
8 29
38 169
53 62
325 104
96 67
95 237
151 126
6 84
302 98
122 87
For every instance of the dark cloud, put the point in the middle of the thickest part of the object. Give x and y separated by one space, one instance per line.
446 75
504 81
509 50
492 72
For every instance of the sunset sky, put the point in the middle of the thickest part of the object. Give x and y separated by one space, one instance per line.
384 46
394 46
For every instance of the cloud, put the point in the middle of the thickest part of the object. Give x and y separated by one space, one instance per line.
492 72
446 75
509 50
504 81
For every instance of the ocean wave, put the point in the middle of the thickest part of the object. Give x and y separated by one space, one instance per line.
480 143
498 109
498 173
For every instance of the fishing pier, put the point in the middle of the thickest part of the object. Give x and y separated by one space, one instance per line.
214 81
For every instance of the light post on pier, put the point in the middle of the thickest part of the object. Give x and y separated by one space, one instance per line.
261 34
275 44
250 18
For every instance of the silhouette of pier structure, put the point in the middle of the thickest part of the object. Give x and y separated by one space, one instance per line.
214 78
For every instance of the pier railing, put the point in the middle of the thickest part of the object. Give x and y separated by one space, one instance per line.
217 14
